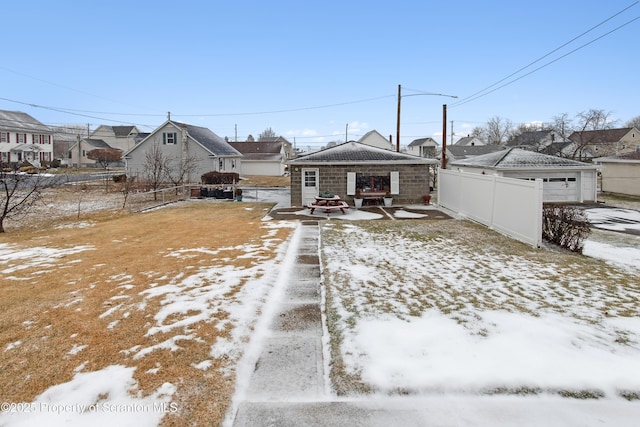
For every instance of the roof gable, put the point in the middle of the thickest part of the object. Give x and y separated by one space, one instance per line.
211 142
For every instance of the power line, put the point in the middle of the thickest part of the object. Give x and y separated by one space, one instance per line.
480 93
545 65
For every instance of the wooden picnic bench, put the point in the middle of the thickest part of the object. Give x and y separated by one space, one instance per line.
328 204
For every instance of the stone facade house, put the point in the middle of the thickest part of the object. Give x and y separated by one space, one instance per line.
346 167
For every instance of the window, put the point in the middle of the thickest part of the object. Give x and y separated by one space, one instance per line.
373 183
169 138
221 164
21 138
310 179
4 137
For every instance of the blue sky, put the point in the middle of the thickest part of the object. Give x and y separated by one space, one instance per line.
314 70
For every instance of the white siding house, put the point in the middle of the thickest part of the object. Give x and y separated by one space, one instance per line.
23 138
374 138
182 144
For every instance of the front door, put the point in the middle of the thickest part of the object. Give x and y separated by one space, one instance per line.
310 185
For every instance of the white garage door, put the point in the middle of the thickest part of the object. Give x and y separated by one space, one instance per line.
560 189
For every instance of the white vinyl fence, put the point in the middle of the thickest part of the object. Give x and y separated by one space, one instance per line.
510 206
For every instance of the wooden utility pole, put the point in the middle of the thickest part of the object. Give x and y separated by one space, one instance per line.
398 121
444 136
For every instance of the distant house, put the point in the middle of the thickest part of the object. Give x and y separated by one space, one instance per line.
266 157
81 151
375 139
118 137
424 147
469 141
460 152
537 140
620 174
603 143
564 180
344 168
183 144
23 138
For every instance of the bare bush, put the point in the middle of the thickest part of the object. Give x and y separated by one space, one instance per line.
217 178
565 226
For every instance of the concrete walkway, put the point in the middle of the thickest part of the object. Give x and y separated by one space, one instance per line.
288 385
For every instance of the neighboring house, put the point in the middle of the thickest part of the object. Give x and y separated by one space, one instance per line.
603 143
424 147
345 167
23 138
620 174
118 137
537 140
459 152
193 148
81 151
267 158
375 139
564 180
469 141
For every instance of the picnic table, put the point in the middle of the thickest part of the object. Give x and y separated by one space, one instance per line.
328 204
372 197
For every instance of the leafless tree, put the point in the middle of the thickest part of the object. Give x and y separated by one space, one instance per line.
19 192
588 121
155 167
178 170
563 125
635 122
498 130
267 133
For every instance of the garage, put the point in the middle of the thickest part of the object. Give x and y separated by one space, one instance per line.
564 180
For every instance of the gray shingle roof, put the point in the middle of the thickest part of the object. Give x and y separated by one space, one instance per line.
97 143
18 121
211 141
420 141
517 158
355 152
463 151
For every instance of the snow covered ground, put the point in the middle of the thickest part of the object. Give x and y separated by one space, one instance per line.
484 323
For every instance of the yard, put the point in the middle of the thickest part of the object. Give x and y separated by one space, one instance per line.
139 319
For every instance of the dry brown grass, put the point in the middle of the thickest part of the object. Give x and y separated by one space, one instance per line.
266 181
51 309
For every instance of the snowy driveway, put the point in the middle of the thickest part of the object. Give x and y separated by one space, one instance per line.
615 219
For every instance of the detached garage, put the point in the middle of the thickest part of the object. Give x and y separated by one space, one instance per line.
564 180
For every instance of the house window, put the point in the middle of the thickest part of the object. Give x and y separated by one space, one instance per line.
21 138
373 182
4 137
221 164
233 163
169 138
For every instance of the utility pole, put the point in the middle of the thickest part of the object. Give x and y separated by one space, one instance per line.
444 136
346 132
398 121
